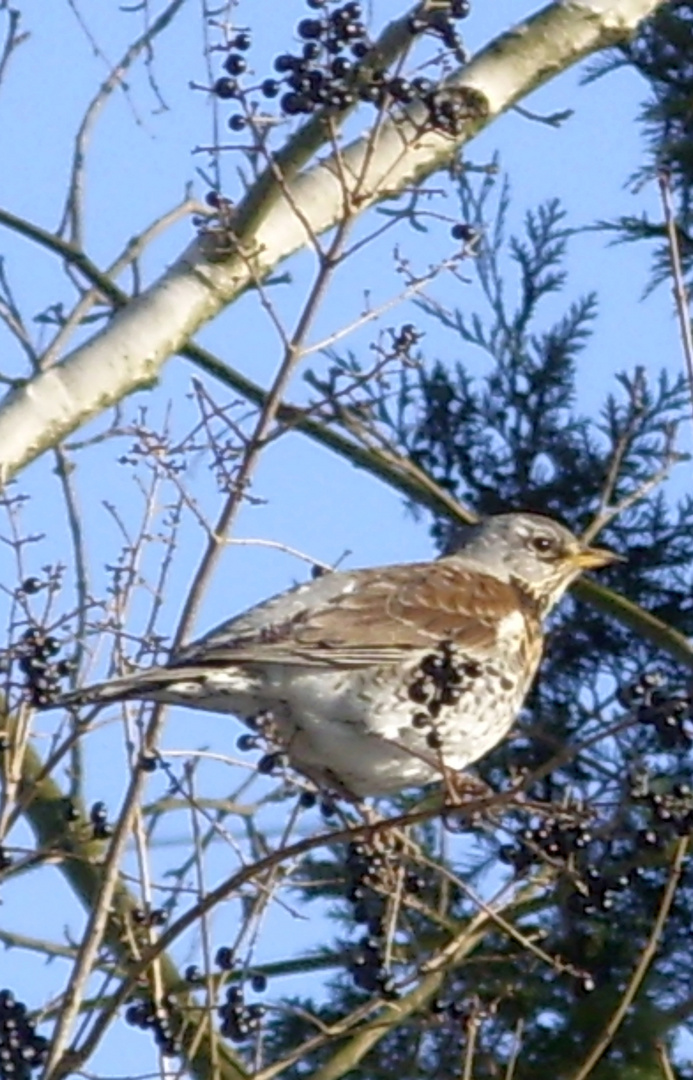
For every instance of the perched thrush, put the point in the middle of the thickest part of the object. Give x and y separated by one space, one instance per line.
380 679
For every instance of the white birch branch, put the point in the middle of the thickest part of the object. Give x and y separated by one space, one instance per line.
128 354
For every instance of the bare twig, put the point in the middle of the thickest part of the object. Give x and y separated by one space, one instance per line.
73 211
680 292
646 958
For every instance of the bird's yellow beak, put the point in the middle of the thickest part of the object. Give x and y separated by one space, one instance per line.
589 558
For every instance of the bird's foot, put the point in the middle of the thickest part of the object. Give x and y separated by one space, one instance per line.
466 797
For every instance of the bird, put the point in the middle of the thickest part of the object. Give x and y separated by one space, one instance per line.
372 681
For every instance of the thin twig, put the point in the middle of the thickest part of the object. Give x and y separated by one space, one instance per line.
73 211
267 416
680 293
646 958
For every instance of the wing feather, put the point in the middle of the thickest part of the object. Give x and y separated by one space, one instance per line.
375 618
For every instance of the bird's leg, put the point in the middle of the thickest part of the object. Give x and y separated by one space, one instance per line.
462 791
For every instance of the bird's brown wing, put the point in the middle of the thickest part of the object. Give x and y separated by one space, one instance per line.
377 618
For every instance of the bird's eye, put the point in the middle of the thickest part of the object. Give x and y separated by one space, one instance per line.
543 545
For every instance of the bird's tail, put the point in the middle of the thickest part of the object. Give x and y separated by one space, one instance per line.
142 685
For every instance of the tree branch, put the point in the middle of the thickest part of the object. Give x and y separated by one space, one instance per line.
270 223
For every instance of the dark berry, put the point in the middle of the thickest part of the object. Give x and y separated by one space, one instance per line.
98 813
235 65
224 958
259 983
341 67
269 762
360 49
237 122
301 81
241 41
401 90
372 92
462 231
270 88
31 585
225 88
422 85
311 50
307 800
293 104
419 691
134 1015
285 62
310 29
414 883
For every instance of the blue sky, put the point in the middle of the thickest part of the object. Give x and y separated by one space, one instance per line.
140 161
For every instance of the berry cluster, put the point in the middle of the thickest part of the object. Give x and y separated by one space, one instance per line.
368 970
238 1020
337 66
593 886
149 917
368 873
325 72
440 680
596 891
556 839
451 1009
36 654
371 873
670 811
274 760
670 715
21 1049
157 1019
